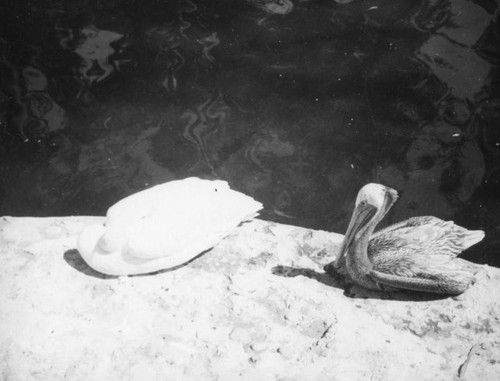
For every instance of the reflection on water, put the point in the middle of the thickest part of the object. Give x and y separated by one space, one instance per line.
295 102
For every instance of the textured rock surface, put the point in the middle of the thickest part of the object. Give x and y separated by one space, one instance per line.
256 307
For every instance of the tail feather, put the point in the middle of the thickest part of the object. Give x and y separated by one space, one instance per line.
470 238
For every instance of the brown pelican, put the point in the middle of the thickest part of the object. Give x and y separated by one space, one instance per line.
416 254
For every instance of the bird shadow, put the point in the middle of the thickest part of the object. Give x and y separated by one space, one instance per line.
292 272
170 269
352 290
75 260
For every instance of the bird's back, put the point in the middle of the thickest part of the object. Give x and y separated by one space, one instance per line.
192 218
420 245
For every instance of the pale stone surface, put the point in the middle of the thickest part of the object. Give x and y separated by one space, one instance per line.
256 307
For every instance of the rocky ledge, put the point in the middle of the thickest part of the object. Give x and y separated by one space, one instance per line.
256 307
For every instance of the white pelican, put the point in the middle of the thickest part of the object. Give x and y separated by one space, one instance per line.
164 226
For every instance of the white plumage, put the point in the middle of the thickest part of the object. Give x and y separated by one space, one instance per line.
164 226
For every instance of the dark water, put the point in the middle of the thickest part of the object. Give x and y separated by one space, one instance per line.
298 103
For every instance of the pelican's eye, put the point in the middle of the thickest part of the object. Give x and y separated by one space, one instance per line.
363 203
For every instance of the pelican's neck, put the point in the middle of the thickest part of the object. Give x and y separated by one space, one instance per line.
359 248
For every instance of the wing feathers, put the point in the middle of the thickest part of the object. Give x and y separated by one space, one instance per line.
423 235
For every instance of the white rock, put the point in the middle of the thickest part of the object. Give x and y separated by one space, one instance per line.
263 311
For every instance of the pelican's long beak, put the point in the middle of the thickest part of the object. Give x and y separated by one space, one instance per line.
363 213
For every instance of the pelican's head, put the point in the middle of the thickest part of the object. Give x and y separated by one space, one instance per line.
377 196
372 204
